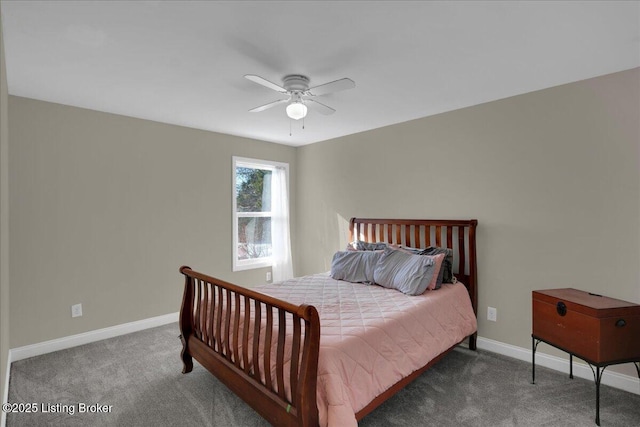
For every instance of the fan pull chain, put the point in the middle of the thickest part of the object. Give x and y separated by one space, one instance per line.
290 125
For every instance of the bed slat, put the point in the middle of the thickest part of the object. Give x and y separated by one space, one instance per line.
218 316
461 251
212 341
267 348
205 324
227 325
256 341
197 313
295 356
236 331
245 335
282 328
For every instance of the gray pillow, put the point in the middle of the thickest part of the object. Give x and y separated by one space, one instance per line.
410 274
359 245
446 271
354 266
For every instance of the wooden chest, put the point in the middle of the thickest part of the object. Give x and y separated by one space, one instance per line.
595 328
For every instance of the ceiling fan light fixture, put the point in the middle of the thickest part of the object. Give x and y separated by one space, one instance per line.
296 110
296 86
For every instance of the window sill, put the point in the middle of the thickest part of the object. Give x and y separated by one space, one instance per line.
251 265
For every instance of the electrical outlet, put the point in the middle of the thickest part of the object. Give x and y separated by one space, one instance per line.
492 314
268 276
76 310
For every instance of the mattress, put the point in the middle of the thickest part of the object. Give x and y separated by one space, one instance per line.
372 337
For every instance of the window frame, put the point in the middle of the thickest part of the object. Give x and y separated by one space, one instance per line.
249 264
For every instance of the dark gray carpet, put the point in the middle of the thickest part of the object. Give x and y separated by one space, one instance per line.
139 375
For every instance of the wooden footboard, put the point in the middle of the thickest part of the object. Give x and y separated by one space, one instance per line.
234 332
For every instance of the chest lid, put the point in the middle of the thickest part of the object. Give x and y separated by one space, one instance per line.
587 303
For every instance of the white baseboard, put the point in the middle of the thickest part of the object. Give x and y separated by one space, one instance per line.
580 369
5 395
45 347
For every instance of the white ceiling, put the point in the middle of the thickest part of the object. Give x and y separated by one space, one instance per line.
183 62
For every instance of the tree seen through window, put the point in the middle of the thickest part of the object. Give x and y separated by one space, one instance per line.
253 207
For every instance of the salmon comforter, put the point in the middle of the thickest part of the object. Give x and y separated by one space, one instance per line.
372 337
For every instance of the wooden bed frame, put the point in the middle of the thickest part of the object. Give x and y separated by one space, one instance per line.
216 318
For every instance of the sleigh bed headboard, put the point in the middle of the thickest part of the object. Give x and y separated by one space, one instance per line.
457 235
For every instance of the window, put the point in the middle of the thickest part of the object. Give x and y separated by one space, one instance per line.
260 211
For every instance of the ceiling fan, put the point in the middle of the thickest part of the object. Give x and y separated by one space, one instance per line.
299 94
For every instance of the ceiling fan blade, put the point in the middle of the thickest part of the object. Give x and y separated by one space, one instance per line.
269 105
320 107
265 83
335 86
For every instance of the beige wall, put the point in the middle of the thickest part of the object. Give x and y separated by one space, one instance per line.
552 177
4 219
105 209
